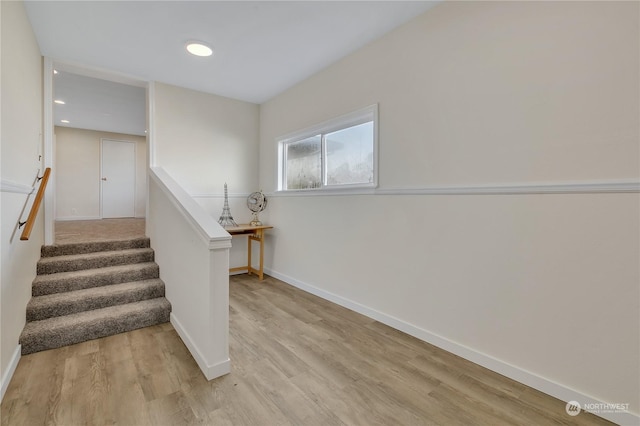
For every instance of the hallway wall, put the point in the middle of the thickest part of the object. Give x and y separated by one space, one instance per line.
78 172
203 141
535 281
21 135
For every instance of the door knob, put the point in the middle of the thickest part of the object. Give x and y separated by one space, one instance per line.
104 178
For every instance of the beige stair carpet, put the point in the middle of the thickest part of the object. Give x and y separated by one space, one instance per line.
88 290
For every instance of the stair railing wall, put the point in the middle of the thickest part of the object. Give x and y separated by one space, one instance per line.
192 250
18 188
33 213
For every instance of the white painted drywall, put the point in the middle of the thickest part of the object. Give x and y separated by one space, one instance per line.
78 172
203 141
21 134
477 93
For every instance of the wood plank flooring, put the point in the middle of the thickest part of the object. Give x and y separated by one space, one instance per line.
296 360
82 231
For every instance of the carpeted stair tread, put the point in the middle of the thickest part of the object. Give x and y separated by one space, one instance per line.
77 262
90 290
91 247
88 278
59 304
75 328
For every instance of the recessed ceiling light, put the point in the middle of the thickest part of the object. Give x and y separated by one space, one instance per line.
199 49
55 71
59 102
64 121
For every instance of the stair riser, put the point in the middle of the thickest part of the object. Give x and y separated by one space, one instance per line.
73 334
100 278
93 290
69 249
67 307
64 265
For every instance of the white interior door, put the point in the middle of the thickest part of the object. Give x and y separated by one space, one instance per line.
118 184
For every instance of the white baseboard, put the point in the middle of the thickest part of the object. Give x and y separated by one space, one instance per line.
237 272
11 368
210 371
518 374
68 218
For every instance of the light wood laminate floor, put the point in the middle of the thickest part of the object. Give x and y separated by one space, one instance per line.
82 231
296 360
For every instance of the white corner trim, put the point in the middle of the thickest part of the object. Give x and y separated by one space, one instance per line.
11 368
594 187
221 195
518 374
526 188
49 147
151 123
210 371
17 188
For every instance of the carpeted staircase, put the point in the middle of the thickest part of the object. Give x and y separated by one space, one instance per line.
90 290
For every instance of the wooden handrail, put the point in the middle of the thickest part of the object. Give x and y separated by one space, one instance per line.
31 220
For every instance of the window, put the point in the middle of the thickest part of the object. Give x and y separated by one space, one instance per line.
340 153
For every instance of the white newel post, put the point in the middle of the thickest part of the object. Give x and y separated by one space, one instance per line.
219 310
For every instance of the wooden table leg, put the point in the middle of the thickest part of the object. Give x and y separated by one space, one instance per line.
253 234
261 235
249 240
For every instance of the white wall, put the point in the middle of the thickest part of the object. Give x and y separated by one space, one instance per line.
542 287
21 79
203 141
78 172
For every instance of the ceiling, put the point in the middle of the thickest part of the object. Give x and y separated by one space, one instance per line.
261 48
96 104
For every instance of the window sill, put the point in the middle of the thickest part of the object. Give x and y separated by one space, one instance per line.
357 190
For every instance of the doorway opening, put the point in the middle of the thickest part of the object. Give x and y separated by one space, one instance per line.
99 152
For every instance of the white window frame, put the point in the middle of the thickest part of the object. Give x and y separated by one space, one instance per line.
345 121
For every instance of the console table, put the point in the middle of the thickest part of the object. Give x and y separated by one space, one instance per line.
255 233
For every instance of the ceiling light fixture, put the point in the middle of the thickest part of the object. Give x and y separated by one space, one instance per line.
59 102
64 121
199 49
55 71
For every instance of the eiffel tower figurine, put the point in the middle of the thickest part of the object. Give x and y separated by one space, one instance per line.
225 218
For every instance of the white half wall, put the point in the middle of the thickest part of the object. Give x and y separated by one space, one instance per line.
21 135
78 172
474 94
192 251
